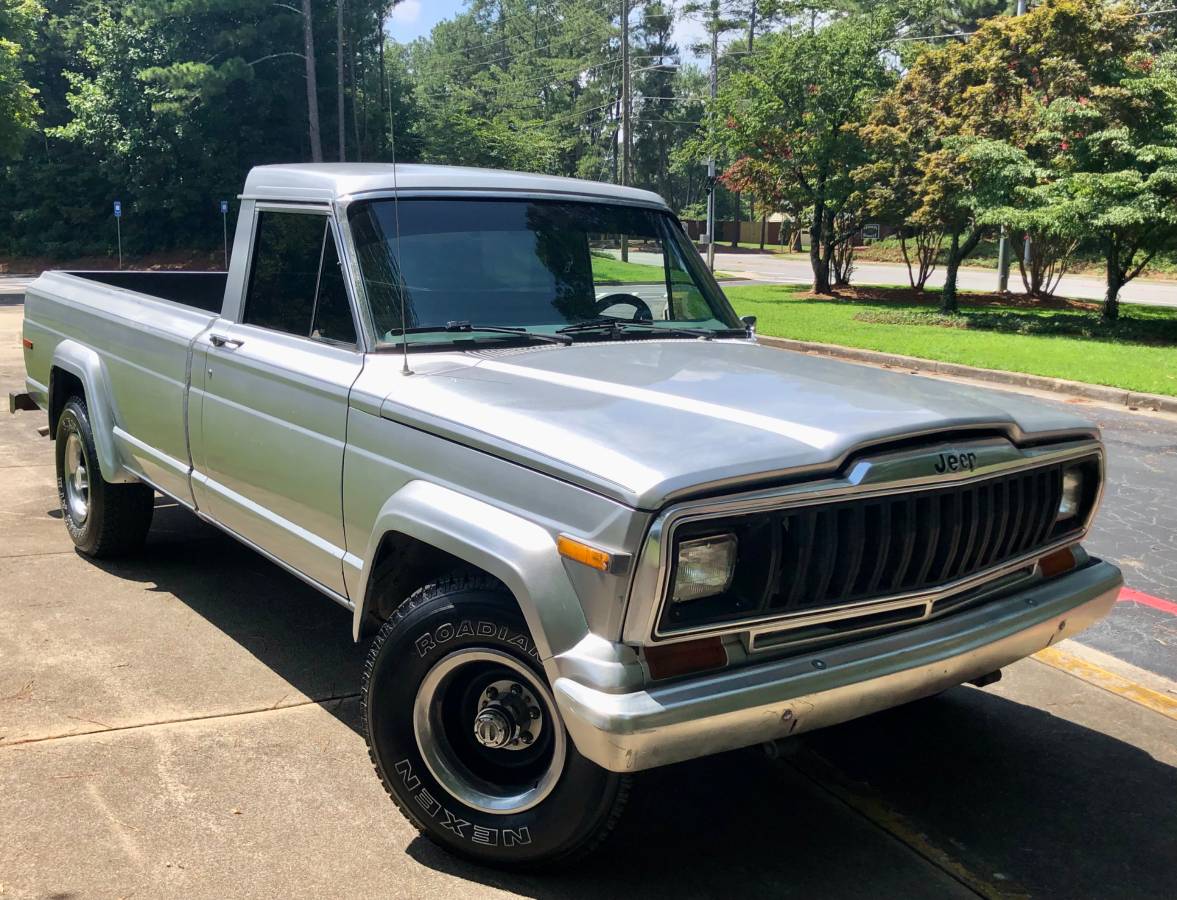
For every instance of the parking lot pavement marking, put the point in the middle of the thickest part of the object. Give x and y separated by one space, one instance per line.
1109 681
1128 595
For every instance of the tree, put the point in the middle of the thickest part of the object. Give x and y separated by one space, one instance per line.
521 84
990 93
18 100
1117 151
794 113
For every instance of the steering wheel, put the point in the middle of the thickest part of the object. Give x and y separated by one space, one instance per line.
641 309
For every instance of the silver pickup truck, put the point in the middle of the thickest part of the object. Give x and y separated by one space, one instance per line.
587 524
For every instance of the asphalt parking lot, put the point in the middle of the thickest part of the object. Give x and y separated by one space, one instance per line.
184 724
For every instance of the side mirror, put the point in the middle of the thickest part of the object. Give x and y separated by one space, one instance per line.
749 326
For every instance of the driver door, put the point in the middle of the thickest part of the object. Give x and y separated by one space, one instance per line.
275 405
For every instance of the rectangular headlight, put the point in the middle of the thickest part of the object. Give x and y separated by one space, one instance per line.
1072 498
704 567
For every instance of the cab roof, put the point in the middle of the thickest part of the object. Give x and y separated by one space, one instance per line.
326 182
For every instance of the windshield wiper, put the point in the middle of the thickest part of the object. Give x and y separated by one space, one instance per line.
618 327
466 327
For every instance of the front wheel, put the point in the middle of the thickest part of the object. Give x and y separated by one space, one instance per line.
465 734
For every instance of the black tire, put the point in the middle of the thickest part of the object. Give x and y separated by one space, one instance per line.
458 618
116 517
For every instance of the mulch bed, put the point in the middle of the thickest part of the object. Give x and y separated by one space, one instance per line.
909 297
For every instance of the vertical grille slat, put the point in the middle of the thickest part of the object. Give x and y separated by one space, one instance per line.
928 525
851 528
826 550
906 537
969 526
882 545
1014 519
852 550
1001 496
800 536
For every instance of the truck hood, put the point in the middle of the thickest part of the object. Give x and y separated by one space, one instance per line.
646 422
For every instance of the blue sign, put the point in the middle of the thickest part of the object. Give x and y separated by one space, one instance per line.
118 209
224 207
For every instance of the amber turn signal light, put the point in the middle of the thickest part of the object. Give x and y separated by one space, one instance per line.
669 660
570 548
1057 563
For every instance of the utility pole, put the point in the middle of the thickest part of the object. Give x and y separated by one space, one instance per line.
751 200
626 104
1003 244
711 158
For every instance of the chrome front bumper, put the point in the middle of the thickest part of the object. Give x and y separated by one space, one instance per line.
701 716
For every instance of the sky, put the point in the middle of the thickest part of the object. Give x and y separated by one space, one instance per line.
412 19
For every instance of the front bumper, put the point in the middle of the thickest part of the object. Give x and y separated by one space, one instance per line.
710 714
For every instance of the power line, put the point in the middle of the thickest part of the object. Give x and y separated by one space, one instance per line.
550 77
530 51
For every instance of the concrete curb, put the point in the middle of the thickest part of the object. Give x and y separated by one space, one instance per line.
1131 399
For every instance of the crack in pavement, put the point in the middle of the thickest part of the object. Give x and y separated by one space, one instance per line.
140 726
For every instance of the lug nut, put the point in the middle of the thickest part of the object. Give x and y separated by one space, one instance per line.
526 737
516 689
534 712
492 692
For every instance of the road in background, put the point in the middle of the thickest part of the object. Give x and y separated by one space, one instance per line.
780 269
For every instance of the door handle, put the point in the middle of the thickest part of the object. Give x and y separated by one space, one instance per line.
219 340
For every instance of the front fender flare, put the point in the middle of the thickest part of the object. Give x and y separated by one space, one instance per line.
514 550
87 366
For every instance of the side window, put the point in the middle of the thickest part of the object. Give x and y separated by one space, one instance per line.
296 284
285 270
332 317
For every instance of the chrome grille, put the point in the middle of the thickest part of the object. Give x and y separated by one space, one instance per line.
854 550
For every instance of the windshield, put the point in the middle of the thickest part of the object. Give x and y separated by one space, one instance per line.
534 265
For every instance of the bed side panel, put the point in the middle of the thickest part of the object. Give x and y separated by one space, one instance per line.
143 345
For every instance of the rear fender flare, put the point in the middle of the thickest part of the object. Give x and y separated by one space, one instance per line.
87 366
514 550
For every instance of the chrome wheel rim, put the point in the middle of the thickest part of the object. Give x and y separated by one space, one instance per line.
492 748
77 479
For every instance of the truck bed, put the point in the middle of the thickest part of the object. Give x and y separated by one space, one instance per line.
200 290
128 337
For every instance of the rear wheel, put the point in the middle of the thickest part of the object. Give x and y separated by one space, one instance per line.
465 733
103 519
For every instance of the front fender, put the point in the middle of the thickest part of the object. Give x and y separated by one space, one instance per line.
81 361
518 552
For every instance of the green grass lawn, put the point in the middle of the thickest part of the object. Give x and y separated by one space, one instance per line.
609 271
614 271
1139 353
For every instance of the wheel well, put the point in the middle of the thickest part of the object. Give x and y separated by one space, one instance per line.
402 565
62 386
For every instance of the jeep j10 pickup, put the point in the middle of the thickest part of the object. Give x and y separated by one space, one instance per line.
586 522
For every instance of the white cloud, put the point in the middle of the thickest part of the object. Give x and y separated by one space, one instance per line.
407 11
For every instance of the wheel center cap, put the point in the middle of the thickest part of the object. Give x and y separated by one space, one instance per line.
493 728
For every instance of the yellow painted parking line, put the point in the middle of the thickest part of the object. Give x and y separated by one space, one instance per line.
828 777
1109 681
